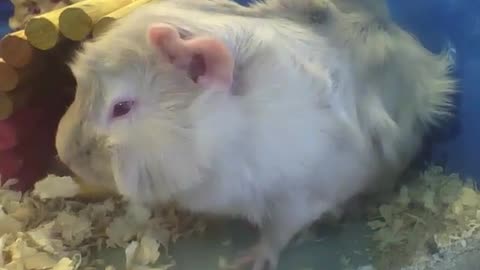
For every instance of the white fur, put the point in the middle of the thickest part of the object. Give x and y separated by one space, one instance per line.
319 115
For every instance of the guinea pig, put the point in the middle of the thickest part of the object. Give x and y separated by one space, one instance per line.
277 119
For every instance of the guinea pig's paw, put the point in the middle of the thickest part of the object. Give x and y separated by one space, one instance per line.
259 257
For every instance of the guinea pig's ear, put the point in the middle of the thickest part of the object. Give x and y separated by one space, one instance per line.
206 59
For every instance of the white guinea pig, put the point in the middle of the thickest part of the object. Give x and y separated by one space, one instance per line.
275 118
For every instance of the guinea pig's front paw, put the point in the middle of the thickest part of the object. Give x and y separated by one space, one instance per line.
259 257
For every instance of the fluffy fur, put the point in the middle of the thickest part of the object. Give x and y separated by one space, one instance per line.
319 112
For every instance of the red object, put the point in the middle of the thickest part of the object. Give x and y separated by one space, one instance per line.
10 164
29 161
36 144
20 127
37 154
29 135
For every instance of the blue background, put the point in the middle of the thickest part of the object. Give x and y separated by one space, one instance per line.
6 10
438 24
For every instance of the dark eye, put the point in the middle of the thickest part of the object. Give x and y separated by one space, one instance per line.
122 108
34 9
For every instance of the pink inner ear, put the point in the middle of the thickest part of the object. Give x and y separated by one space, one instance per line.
218 61
167 40
207 60
197 67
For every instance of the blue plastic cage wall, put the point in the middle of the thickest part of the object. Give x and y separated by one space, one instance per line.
439 25
6 10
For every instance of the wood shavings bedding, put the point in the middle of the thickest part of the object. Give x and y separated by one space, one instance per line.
429 223
49 228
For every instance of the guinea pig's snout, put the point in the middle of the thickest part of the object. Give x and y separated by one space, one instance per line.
65 153
71 144
62 149
74 152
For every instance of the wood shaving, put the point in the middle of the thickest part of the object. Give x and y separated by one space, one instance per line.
52 228
433 214
8 224
64 264
56 187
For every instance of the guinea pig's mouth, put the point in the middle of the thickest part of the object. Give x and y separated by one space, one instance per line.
89 177
60 168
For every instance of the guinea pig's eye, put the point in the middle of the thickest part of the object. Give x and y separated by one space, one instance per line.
33 9
122 108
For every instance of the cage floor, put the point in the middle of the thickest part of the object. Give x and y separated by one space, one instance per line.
334 248
328 251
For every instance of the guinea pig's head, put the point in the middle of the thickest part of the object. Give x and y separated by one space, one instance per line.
130 124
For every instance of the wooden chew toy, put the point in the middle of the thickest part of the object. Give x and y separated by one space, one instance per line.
76 21
103 24
6 106
16 50
13 101
8 77
13 80
42 30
